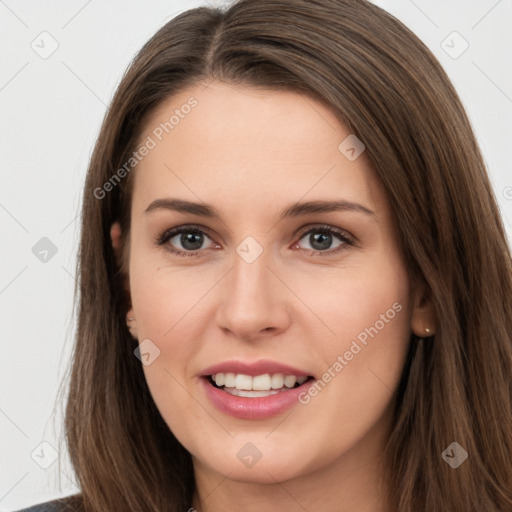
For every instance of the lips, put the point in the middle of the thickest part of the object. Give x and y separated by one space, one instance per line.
254 390
254 368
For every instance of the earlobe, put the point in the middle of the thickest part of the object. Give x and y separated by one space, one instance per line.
423 318
131 322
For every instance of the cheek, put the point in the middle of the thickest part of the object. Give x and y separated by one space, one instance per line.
369 312
168 304
366 313
360 302
165 299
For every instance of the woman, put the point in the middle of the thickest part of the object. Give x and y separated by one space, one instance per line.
295 286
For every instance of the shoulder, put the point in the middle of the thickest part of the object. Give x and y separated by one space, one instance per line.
68 504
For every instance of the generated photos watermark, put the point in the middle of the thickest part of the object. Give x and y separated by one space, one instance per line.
344 359
144 149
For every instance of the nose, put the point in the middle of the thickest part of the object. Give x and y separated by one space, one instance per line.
254 301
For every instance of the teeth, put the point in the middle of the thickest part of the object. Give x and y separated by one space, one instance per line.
229 379
264 382
289 381
243 382
261 382
251 394
277 381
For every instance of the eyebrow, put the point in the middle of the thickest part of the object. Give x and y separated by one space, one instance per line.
294 210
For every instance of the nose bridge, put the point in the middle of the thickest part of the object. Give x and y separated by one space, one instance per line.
250 277
251 300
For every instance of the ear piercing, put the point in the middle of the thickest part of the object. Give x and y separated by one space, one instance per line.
428 333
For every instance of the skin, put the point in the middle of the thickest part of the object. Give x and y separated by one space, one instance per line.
250 153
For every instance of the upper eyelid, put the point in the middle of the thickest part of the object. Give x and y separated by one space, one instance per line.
190 227
327 227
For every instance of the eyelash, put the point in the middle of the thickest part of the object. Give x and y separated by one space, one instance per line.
343 236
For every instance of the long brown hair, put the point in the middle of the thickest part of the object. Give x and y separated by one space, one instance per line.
390 91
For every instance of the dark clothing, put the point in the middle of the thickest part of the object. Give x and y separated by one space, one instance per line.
68 504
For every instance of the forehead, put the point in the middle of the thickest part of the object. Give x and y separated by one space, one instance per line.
241 143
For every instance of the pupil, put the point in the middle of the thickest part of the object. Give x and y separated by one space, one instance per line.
191 238
323 239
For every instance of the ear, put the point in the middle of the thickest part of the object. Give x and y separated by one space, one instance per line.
115 235
423 318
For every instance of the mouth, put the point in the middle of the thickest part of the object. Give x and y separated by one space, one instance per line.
254 390
257 386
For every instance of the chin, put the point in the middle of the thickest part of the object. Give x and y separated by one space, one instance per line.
241 461
263 472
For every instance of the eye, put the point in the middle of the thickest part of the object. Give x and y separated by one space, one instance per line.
321 238
190 238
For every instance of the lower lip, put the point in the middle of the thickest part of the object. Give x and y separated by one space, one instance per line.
253 408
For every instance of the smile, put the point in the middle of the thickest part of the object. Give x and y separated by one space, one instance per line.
238 384
254 397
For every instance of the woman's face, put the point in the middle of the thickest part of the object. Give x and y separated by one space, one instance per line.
263 290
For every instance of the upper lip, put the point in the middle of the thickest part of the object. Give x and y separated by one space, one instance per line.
254 368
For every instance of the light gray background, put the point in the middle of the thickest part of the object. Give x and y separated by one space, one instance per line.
51 110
